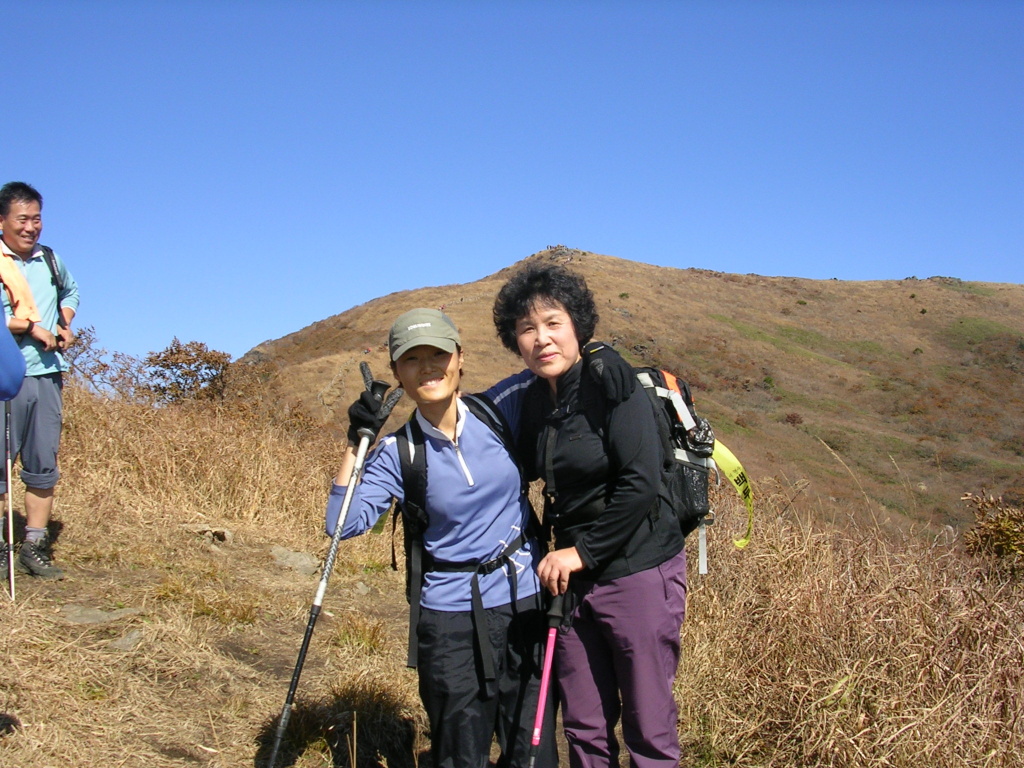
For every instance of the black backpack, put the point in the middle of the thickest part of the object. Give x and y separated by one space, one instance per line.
415 520
687 441
687 444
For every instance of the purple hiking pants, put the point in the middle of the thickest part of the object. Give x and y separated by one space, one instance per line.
619 659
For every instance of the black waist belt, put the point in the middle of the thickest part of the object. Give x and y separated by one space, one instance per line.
476 600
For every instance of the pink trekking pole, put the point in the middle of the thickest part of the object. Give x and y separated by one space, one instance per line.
554 619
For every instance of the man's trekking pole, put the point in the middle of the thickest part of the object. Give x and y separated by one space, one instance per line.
554 619
377 389
10 499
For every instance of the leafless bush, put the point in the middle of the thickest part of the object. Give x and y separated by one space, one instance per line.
112 374
187 371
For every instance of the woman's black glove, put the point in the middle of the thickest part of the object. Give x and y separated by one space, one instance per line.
366 413
617 377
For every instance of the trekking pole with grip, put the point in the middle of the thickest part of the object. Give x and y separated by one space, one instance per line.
377 388
554 619
10 500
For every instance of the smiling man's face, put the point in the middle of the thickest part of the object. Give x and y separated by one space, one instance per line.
22 225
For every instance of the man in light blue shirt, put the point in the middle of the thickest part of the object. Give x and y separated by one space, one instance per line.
36 412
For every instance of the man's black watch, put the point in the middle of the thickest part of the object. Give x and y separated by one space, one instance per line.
31 325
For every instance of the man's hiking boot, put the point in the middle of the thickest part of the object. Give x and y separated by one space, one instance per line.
35 559
5 552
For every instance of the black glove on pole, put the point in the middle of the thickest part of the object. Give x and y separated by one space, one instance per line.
376 390
366 416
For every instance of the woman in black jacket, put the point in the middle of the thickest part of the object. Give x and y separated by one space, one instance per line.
614 532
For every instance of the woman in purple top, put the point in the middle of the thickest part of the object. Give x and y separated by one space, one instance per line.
478 661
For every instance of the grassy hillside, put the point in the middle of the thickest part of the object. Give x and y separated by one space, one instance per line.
173 639
888 399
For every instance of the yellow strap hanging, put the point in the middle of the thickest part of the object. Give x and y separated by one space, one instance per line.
733 470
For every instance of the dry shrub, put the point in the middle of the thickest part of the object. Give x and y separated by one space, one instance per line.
998 531
815 647
230 450
388 727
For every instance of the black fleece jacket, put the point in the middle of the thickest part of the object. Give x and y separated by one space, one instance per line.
601 463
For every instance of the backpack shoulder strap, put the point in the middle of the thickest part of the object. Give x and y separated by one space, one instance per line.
51 262
593 403
413 460
485 410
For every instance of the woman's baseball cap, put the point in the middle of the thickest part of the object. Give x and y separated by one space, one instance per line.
423 326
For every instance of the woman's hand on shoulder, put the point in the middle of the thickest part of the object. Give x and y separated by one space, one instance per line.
617 377
555 568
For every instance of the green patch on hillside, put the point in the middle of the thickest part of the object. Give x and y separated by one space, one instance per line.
745 330
805 337
896 447
811 406
862 448
753 333
974 289
839 440
827 345
729 428
967 332
723 421
905 506
886 460
871 348
806 342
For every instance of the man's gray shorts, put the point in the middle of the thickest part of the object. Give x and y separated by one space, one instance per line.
36 418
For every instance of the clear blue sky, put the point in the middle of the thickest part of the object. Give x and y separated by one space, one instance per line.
231 172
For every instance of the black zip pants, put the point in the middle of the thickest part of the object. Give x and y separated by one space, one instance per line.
465 711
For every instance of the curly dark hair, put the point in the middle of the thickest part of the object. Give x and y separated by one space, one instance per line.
544 284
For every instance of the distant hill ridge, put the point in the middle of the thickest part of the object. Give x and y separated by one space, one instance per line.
892 397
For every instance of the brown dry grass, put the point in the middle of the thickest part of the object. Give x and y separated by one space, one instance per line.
854 648
810 647
212 629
